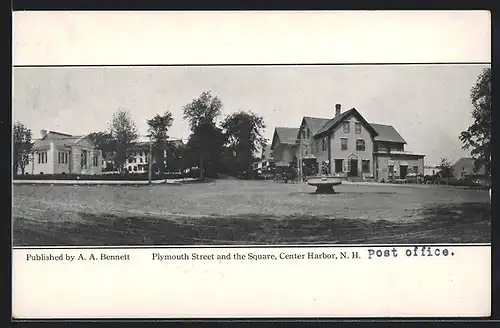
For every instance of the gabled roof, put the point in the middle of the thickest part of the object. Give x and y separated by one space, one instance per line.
51 135
468 164
332 123
58 139
315 123
387 133
287 136
267 152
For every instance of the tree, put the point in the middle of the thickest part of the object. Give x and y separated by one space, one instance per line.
445 168
124 130
205 146
204 109
206 140
22 147
477 137
105 142
158 127
176 156
243 132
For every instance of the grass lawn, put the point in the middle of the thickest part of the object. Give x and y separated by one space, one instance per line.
247 212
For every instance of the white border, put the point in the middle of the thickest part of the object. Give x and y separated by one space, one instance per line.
457 286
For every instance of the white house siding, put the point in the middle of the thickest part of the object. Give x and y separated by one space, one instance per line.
431 170
284 153
383 161
314 147
138 163
62 167
351 152
47 166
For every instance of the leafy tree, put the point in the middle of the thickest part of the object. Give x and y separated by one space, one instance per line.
158 127
445 168
206 145
22 147
204 109
105 142
243 132
206 140
477 137
176 156
124 131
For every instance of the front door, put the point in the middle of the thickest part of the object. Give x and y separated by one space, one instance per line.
354 168
403 170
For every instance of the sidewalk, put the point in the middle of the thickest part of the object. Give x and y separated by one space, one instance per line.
101 182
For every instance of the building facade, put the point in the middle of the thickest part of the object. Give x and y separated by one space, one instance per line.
60 153
465 167
138 160
284 146
348 146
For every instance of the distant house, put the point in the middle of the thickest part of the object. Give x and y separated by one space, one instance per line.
138 161
265 161
347 145
464 168
431 170
284 145
61 153
314 150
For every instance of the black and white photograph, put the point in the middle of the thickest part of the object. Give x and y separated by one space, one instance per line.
251 154
241 165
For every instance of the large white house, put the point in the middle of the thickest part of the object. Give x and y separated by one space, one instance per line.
346 145
61 153
139 155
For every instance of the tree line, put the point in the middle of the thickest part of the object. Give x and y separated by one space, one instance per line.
229 146
214 147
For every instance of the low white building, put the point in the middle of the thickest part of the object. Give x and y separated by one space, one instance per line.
431 170
61 153
138 162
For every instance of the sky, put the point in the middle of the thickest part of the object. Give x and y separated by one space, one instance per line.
428 105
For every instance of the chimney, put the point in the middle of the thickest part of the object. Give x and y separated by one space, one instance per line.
43 133
337 109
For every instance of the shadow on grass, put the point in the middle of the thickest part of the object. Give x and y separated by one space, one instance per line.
461 223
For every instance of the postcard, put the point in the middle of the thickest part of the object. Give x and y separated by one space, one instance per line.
251 165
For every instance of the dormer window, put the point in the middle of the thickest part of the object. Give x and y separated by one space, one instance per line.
346 127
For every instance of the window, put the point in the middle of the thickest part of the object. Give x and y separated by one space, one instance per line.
360 145
95 160
307 133
343 143
135 167
415 169
140 159
42 157
62 157
130 168
365 166
346 127
323 144
357 127
338 165
391 169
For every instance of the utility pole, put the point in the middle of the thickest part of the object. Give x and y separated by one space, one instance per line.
300 156
150 160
